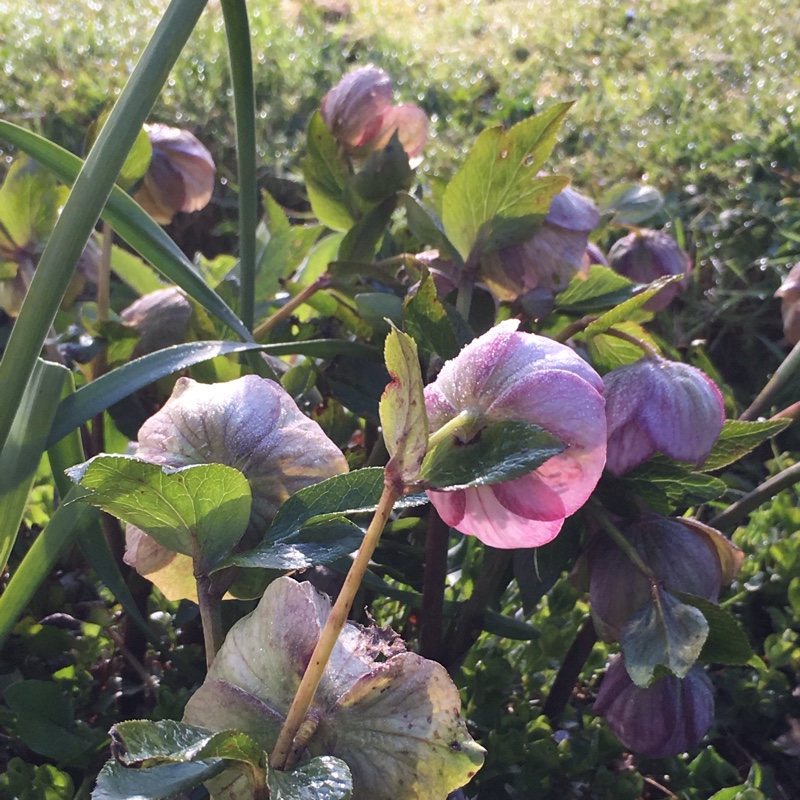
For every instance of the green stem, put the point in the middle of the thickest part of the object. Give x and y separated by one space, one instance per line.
288 308
649 351
619 538
333 627
208 600
462 420
783 374
568 331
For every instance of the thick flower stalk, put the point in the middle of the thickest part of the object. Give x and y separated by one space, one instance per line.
358 111
507 375
659 406
180 176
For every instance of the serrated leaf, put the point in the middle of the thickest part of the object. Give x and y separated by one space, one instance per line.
727 642
363 238
402 407
424 224
675 482
498 182
144 743
201 510
322 778
326 175
427 321
500 452
384 173
664 632
739 438
631 203
607 352
601 289
116 782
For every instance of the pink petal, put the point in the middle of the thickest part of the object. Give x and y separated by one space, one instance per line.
450 505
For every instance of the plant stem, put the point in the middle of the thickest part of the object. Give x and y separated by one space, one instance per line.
333 627
209 601
649 351
735 514
619 538
289 306
462 420
570 669
568 331
430 640
104 276
785 371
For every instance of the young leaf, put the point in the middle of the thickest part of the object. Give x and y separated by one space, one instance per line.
500 452
427 228
427 321
384 173
600 290
497 183
200 511
363 238
739 438
607 351
631 203
326 175
402 407
322 778
665 632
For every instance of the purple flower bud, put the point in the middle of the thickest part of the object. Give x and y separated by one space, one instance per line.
670 716
160 318
507 375
789 292
644 256
683 555
659 406
359 114
180 176
552 257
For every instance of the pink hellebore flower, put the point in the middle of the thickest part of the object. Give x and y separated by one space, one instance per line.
789 293
506 375
659 406
667 718
358 111
180 176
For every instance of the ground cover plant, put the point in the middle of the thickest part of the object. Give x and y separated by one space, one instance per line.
351 327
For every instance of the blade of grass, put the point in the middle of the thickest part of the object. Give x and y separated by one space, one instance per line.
86 201
131 222
237 31
23 452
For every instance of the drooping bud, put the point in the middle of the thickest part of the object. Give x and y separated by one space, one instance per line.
359 114
668 717
660 406
160 318
508 375
789 293
552 256
644 256
180 176
683 555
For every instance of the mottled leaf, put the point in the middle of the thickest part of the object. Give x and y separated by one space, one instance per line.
427 321
322 778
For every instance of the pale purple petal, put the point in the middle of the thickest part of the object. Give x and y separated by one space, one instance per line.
573 211
628 447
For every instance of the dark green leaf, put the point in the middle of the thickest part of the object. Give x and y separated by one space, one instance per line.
667 484
498 182
739 438
665 632
384 173
322 778
326 174
631 203
500 452
727 642
402 407
200 510
427 322
363 238
281 255
598 291
116 782
427 228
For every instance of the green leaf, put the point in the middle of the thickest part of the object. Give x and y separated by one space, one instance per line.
363 239
322 778
727 642
200 510
142 743
23 451
427 322
631 203
116 782
326 174
141 277
608 352
501 451
497 183
384 173
427 228
281 255
665 632
739 438
45 720
138 160
601 289
24 781
402 407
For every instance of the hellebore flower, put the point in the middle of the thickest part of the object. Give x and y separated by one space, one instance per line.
659 406
668 717
644 256
180 176
552 256
684 556
358 111
789 293
249 423
392 716
506 375
160 318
